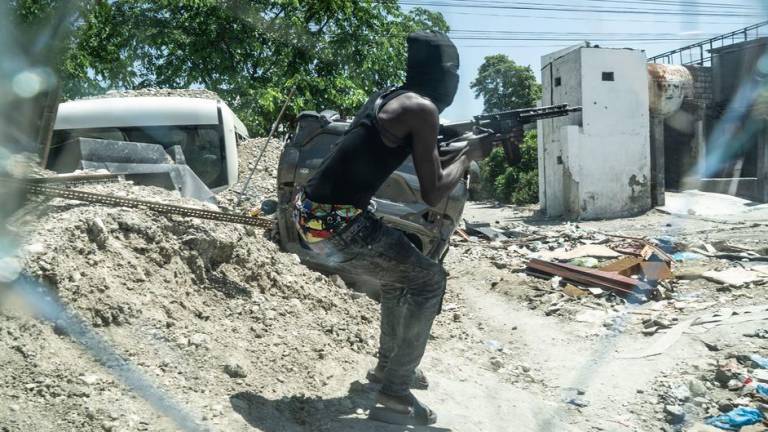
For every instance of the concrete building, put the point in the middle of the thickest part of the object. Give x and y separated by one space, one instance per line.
595 164
717 139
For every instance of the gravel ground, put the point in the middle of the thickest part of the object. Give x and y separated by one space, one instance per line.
215 325
206 311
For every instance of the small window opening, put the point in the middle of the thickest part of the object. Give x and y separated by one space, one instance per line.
558 81
608 76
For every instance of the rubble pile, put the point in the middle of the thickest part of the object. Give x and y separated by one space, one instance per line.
157 92
206 311
727 392
589 276
262 185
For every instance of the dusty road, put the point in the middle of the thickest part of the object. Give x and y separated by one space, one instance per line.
497 365
239 348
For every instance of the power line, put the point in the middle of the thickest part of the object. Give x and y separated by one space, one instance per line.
558 7
695 4
575 38
563 45
593 19
569 33
698 5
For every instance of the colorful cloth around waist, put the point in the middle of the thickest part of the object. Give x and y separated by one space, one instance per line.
316 221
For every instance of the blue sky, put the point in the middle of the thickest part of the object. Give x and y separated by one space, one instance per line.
472 52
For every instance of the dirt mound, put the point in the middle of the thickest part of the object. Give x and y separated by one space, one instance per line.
207 311
263 184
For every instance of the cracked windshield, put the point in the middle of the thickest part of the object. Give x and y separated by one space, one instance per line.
384 215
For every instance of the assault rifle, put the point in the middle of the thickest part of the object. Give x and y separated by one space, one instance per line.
503 129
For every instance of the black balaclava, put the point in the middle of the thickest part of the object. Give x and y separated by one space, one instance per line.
433 66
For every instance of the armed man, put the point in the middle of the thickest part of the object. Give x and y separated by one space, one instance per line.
334 219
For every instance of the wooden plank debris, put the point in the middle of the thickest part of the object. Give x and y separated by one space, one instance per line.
462 234
588 250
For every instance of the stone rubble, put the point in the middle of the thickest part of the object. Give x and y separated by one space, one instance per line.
176 297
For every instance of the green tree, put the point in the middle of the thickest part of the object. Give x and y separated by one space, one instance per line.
516 184
251 52
504 85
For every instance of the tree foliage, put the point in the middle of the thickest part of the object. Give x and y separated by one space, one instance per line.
504 85
516 184
251 52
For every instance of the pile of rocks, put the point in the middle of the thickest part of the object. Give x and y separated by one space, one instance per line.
263 184
158 92
688 398
204 309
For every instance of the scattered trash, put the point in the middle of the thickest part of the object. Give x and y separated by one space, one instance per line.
589 250
733 276
484 230
623 266
760 375
729 316
759 360
652 253
667 244
710 346
737 418
759 333
494 345
655 271
450 307
662 343
574 291
675 414
462 234
573 396
593 278
587 262
687 256
578 402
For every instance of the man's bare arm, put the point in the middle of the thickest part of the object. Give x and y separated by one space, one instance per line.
414 116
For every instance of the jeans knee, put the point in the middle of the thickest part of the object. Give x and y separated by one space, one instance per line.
439 279
431 284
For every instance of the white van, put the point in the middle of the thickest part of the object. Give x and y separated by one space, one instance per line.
206 129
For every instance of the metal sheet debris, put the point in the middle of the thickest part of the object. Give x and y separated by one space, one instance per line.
589 277
484 230
732 276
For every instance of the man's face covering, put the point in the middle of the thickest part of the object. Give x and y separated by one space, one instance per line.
433 65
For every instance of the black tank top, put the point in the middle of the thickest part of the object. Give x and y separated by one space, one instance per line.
361 162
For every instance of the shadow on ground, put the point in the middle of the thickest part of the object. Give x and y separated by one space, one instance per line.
303 414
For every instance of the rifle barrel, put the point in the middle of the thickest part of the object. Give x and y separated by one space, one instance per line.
505 120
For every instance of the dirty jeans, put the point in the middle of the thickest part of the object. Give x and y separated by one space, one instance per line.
412 288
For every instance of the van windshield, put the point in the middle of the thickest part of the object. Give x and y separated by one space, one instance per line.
203 145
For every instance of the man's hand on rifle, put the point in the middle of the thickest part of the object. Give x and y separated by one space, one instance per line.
481 143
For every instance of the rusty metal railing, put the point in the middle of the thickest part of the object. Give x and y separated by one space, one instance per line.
700 52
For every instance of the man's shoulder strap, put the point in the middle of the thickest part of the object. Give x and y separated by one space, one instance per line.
382 100
385 97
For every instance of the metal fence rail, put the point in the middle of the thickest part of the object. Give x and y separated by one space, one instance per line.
699 53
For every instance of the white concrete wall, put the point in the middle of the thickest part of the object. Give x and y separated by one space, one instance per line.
604 165
551 146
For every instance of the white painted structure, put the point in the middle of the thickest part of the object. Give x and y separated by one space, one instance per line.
595 164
